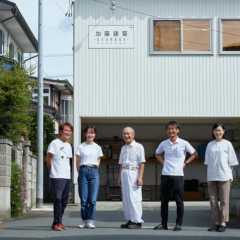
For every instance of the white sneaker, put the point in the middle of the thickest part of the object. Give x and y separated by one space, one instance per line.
83 225
90 224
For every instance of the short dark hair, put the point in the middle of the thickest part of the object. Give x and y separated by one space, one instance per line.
173 123
215 126
66 124
90 127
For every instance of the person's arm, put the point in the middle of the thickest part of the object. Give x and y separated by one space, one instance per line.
141 164
100 155
207 155
120 166
159 153
140 174
98 162
232 157
78 161
119 175
191 158
49 160
192 152
51 151
160 158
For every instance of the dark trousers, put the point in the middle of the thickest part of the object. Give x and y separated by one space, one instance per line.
172 187
60 191
88 183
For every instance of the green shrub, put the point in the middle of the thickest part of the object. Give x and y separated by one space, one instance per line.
49 132
15 102
16 191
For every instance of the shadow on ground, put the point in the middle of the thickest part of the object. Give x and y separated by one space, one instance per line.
131 237
191 218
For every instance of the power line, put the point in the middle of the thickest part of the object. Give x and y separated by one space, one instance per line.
58 55
117 6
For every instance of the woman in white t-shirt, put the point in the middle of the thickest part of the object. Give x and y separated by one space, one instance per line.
220 157
88 157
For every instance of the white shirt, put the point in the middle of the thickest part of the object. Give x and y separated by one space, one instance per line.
219 158
132 154
174 156
62 152
89 153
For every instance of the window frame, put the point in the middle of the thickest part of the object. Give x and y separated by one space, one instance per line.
2 44
181 52
11 45
220 26
35 95
20 57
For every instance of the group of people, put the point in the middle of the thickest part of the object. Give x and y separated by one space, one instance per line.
174 153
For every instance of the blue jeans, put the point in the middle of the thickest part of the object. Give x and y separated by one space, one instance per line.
88 186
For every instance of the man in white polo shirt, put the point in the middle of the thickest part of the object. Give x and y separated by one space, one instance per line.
59 154
171 153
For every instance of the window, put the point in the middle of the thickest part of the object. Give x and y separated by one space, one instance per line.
11 51
46 96
196 35
230 35
66 108
1 42
20 58
181 36
46 100
167 35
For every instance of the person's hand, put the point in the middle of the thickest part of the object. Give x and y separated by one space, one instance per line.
185 164
140 182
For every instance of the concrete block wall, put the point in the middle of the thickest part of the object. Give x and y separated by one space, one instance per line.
23 156
5 177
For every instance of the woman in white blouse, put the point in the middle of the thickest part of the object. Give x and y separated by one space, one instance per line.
88 157
220 158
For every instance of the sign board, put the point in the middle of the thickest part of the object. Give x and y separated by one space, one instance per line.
113 36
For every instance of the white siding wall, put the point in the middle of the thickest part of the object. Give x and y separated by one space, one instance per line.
130 82
9 39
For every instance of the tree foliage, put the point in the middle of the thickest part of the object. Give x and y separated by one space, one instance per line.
15 102
16 191
49 132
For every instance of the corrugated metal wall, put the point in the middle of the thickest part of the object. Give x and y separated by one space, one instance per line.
132 83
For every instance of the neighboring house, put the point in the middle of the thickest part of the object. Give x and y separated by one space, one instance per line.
58 104
58 100
16 37
143 63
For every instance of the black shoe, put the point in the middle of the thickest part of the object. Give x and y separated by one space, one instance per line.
213 228
177 228
132 225
125 225
221 228
161 227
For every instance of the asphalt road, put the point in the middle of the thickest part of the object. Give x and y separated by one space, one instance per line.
37 226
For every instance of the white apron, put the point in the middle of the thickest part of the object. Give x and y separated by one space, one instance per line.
131 196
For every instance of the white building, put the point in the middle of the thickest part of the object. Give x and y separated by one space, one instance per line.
142 63
16 37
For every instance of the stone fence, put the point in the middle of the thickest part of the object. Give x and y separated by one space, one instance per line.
24 158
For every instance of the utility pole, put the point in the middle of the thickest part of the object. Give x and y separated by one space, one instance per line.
40 108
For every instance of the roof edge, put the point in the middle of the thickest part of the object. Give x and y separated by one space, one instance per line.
19 17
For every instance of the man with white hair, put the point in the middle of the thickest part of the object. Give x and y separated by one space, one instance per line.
131 160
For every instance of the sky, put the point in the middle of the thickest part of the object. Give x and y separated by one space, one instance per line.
57 35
